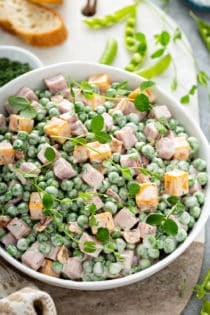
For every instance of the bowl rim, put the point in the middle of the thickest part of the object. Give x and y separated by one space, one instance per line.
129 279
25 52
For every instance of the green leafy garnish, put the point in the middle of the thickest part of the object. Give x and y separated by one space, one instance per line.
185 99
126 172
133 189
85 195
158 53
103 137
155 219
170 227
174 84
163 38
22 105
146 84
172 200
203 78
177 34
102 234
89 246
87 89
97 123
47 201
92 221
205 310
50 154
142 103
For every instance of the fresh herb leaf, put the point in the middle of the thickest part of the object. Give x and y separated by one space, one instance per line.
122 85
50 154
87 89
179 208
92 221
92 208
133 189
140 37
85 195
47 201
203 78
89 246
103 137
193 89
155 219
28 112
170 227
165 38
97 123
102 234
177 34
18 102
158 53
126 172
146 84
200 291
172 200
142 103
205 310
185 99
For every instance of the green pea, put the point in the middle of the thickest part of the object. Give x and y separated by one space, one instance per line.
22 208
32 152
12 250
66 185
194 144
98 268
53 112
202 178
3 188
22 244
199 164
57 266
18 144
153 253
116 234
45 248
40 114
148 151
195 212
110 206
144 263
88 266
115 268
184 218
33 138
111 92
44 101
190 201
52 191
51 104
113 177
8 136
120 244
17 190
57 240
200 197
169 245
82 220
191 222
73 193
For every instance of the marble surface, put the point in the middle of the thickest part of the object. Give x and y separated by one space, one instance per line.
180 13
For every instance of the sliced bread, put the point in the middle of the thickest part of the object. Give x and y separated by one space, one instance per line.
50 2
36 24
4 22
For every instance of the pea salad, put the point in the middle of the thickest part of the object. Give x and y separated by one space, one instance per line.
97 181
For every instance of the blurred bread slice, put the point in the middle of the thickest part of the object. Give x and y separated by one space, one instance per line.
50 2
4 22
36 24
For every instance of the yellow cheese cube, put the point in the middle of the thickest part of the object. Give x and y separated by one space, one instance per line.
35 206
147 197
7 153
182 148
98 152
148 92
18 123
176 183
102 81
95 101
59 128
104 220
47 269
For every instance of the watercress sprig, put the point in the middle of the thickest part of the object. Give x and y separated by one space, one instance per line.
22 105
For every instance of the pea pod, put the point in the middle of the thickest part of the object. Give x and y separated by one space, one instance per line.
157 68
140 53
205 310
109 20
130 30
110 52
203 28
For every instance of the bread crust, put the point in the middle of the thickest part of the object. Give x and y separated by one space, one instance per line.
53 2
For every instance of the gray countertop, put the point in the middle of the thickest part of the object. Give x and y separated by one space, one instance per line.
180 12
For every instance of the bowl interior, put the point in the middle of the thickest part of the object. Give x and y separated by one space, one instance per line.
81 71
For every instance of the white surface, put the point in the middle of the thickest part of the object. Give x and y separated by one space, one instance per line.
81 71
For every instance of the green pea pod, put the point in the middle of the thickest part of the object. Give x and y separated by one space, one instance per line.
205 310
110 52
157 68
130 30
204 29
135 62
109 20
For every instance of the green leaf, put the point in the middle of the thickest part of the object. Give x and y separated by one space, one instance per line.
92 208
146 84
103 137
89 246
203 78
122 85
170 227
142 103
97 123
140 37
158 53
47 201
28 112
174 84
193 89
179 208
18 102
177 34
50 154
172 200
103 234
155 219
126 172
92 221
87 89
133 189
164 38
205 310
78 140
185 99
85 195
200 291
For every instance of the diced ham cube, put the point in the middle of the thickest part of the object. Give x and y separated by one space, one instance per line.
147 197
116 145
41 154
124 219
7 153
63 254
141 178
63 169
57 98
65 106
29 167
103 220
127 107
151 131
8 239
80 154
98 152
113 194
132 236
176 183
182 148
53 253
128 256
108 121
27 93
97 202
92 177
196 187
35 206
126 135
36 105
44 222
146 229
127 161
74 227
165 148
18 123
160 111
2 121
87 238
78 129
4 220
32 257
47 269
101 80
58 129
18 228
73 268
56 83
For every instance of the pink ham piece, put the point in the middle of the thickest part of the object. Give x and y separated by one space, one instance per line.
41 154
124 219
27 93
97 202
146 229
53 253
128 256
116 145
113 194
165 148
77 127
132 236
8 239
32 257
151 131
160 111
87 238
18 228
56 83
80 154
63 169
108 121
127 161
127 107
28 167
196 187
2 121
126 135
92 177
65 106
73 268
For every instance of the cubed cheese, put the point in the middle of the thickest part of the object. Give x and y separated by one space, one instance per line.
7 153
102 81
59 128
176 183
35 206
147 92
18 123
80 154
147 197
182 148
98 152
95 101
47 269
104 220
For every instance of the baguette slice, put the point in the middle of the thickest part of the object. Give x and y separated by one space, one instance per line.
37 25
4 22
50 2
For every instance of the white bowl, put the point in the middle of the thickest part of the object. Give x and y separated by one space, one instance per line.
81 71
